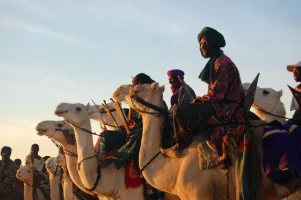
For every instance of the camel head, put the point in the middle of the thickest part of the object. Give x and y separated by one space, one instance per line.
151 93
75 113
98 113
51 166
267 99
60 160
60 131
25 174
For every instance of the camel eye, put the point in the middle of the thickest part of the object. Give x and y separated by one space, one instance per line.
78 109
28 171
60 125
265 92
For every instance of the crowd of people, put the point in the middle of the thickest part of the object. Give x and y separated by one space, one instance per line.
10 187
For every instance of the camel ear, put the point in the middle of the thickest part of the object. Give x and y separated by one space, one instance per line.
87 106
155 86
162 88
279 93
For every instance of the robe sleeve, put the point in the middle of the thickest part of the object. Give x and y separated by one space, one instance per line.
184 97
224 75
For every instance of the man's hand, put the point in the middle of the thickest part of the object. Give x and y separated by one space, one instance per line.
202 99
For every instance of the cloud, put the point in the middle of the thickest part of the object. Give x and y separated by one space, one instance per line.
16 24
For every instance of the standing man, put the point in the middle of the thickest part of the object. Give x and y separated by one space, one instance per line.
8 171
34 158
181 92
41 177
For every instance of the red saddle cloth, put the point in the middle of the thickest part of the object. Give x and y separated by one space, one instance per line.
132 177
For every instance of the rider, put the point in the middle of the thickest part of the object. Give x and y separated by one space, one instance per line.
141 79
222 102
181 92
296 69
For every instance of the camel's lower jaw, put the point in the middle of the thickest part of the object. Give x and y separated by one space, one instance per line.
117 96
41 132
60 112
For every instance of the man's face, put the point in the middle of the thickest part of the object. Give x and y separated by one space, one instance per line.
171 80
5 155
206 48
297 74
35 149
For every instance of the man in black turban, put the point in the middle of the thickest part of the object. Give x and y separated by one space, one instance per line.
142 78
220 105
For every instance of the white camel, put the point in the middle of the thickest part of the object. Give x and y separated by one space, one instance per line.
98 113
54 178
53 130
111 182
25 174
267 104
66 181
268 107
182 176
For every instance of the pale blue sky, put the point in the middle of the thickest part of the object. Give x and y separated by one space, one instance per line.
72 51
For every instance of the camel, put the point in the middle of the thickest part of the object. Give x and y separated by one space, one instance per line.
182 176
111 183
66 181
98 113
54 178
25 174
53 130
268 106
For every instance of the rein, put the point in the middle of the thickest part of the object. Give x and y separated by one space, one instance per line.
55 172
83 129
109 112
273 114
58 145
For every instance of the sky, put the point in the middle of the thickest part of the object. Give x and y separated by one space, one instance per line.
75 51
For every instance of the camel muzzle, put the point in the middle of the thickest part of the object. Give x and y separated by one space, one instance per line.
60 112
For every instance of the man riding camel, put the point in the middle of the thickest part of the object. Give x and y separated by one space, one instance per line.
181 92
141 79
221 104
296 69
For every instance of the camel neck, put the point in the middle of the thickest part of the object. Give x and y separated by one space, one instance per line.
151 138
87 163
28 192
54 186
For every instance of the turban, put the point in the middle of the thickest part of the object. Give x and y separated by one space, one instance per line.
290 68
175 72
6 149
212 35
142 78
